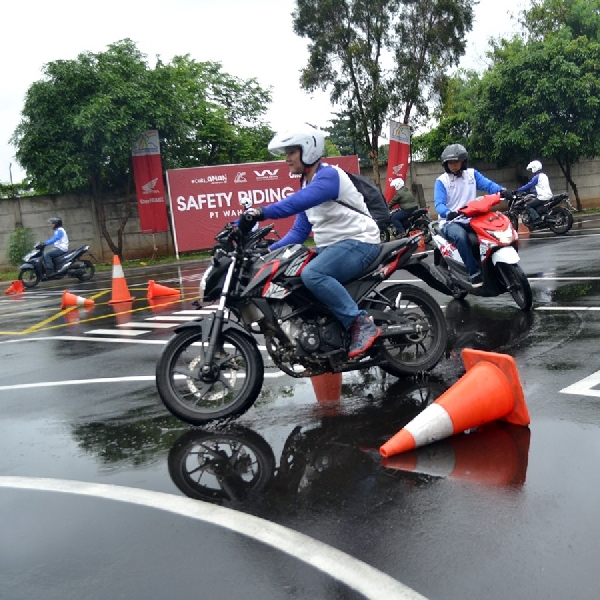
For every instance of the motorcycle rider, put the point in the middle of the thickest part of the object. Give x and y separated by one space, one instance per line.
346 239
453 190
541 183
60 240
407 203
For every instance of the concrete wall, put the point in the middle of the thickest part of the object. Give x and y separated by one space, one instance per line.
79 219
78 213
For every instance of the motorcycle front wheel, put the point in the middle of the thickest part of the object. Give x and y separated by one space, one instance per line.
228 390
29 277
517 284
221 466
562 220
409 354
384 234
89 271
514 220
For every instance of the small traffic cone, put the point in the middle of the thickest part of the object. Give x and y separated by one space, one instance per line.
156 290
328 387
69 299
15 287
489 390
120 291
495 454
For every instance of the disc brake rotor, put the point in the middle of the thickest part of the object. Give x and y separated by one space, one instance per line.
231 374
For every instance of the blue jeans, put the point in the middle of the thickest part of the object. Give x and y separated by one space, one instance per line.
50 256
399 216
333 266
458 234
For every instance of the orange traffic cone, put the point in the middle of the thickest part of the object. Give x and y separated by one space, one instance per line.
328 387
120 291
69 299
15 287
496 454
155 290
489 390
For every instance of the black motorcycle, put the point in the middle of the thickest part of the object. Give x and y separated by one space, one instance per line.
70 264
554 217
418 221
212 369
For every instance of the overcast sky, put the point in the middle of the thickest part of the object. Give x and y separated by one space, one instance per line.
251 38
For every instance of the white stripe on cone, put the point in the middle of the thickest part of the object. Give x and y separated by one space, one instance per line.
434 423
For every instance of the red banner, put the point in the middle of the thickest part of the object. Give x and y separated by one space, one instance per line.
204 199
397 156
150 189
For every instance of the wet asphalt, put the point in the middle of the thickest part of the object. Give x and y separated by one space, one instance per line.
103 493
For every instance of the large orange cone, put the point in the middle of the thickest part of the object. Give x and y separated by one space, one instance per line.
489 390
328 389
69 299
156 290
496 454
15 287
120 291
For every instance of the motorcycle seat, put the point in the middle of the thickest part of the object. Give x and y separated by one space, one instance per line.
384 251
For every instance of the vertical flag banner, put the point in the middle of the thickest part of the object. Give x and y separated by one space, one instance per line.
149 185
397 156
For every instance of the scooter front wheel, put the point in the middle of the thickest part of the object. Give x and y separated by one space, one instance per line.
517 284
29 277
228 388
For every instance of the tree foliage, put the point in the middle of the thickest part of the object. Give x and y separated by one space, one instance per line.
79 122
380 58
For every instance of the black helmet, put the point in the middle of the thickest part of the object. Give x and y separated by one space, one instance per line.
55 222
455 152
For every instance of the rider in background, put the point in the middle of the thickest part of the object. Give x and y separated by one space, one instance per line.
541 183
453 190
60 240
407 203
346 236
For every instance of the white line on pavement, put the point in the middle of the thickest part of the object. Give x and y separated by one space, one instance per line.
365 579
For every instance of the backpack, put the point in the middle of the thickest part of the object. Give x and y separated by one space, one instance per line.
374 199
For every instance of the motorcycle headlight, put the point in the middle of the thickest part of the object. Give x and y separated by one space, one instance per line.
504 237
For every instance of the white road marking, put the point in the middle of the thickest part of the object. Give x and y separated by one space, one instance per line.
360 576
144 325
127 379
125 332
583 387
171 318
565 308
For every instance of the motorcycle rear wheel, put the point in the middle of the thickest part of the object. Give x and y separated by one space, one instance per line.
231 389
420 351
29 277
563 220
89 271
517 285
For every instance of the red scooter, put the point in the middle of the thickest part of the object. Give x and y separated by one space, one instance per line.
494 243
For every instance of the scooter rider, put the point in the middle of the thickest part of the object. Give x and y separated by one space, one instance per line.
407 203
346 240
541 183
453 190
60 239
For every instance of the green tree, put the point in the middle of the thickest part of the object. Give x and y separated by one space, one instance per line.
380 58
79 122
542 99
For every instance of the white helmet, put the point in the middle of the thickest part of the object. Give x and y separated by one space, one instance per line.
397 183
534 166
246 203
310 140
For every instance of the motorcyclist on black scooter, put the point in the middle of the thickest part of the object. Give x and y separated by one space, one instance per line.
60 240
543 192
